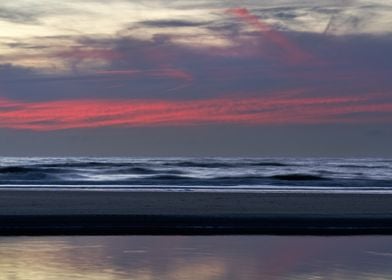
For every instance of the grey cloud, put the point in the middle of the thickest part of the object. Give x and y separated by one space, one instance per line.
18 16
27 46
226 27
358 67
171 23
10 72
356 18
28 84
344 17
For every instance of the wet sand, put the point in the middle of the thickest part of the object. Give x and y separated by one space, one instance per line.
142 212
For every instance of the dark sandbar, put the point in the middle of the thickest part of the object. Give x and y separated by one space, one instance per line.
37 212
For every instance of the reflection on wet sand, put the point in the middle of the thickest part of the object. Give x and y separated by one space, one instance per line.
196 257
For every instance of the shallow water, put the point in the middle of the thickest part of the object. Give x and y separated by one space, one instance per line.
196 257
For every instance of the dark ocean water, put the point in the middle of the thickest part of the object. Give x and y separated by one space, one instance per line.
190 174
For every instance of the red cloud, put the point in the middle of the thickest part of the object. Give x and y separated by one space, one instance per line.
171 73
287 48
66 114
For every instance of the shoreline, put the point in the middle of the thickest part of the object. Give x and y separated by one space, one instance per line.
268 190
38 212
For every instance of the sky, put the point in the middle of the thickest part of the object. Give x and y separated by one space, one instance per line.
196 78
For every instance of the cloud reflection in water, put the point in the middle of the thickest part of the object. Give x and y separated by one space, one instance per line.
176 257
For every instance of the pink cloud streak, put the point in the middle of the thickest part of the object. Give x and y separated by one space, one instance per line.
69 114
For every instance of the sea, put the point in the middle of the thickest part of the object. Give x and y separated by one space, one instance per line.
221 257
198 174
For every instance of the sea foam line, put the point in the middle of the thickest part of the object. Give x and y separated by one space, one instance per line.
237 189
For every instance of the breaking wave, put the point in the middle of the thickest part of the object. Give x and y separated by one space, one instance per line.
239 173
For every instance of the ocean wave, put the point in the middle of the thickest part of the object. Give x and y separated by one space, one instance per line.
33 169
298 177
88 164
29 176
270 164
197 172
130 170
195 164
198 164
143 171
363 166
16 169
171 177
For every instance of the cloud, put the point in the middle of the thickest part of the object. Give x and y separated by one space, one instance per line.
256 28
87 53
278 109
288 49
138 69
339 18
18 16
169 23
158 73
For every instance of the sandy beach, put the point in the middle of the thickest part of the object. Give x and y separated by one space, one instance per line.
121 212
